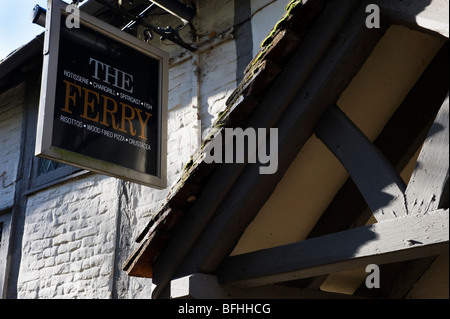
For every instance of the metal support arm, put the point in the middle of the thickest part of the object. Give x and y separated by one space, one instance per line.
38 17
164 33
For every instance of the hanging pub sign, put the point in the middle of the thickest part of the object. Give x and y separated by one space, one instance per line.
103 103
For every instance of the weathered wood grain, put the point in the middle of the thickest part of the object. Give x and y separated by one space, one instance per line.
430 176
393 240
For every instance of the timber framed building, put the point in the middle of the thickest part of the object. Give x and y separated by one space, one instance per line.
362 179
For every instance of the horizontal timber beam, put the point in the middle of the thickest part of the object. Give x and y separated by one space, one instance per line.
398 239
203 286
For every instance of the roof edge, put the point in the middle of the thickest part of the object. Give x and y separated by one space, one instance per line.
261 72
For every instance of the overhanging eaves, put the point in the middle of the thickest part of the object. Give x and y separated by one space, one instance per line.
208 190
197 174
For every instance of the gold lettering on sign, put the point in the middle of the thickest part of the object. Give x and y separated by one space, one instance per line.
102 109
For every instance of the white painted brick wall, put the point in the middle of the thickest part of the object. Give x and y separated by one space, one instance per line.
69 240
10 135
218 80
182 141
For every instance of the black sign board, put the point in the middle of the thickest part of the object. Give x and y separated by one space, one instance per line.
103 99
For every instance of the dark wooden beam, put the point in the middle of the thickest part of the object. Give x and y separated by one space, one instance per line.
427 188
393 240
376 178
400 139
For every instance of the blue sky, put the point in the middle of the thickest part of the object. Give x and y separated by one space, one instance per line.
16 28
